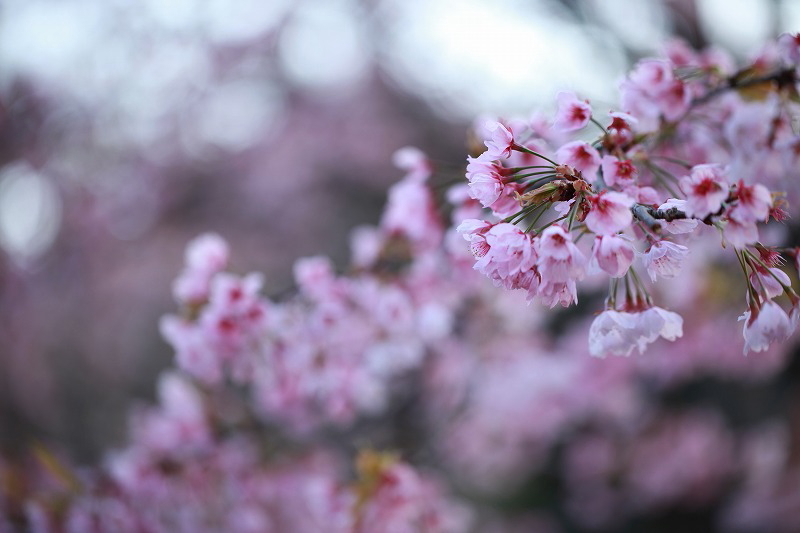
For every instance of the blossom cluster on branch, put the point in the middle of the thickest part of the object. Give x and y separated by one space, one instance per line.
693 145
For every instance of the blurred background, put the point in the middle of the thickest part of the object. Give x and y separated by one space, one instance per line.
127 128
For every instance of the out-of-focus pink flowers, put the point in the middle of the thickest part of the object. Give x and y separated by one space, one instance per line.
205 256
572 114
582 156
652 91
618 173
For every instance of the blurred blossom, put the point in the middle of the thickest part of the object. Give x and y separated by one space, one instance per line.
740 30
650 27
504 56
30 212
322 46
234 116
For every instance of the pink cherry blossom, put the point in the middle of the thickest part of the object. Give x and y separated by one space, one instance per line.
740 233
508 202
789 46
769 280
653 75
705 190
414 161
572 114
754 203
609 212
582 156
766 325
652 90
643 195
485 188
674 100
613 254
501 142
621 128
411 211
504 254
557 292
486 179
559 259
619 332
665 259
618 173
205 256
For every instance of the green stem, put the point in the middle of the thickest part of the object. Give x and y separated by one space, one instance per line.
675 160
517 169
550 223
786 288
538 216
537 154
596 123
522 213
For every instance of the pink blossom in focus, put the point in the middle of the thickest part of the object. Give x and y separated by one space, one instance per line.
769 324
705 190
508 202
619 332
486 180
501 143
572 114
560 265
559 259
770 281
609 213
665 259
612 254
504 254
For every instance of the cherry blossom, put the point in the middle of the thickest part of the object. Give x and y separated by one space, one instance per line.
609 213
572 114
582 156
619 332
765 325
613 254
705 190
665 259
501 143
616 172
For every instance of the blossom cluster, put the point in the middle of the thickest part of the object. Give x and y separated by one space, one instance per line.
686 153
